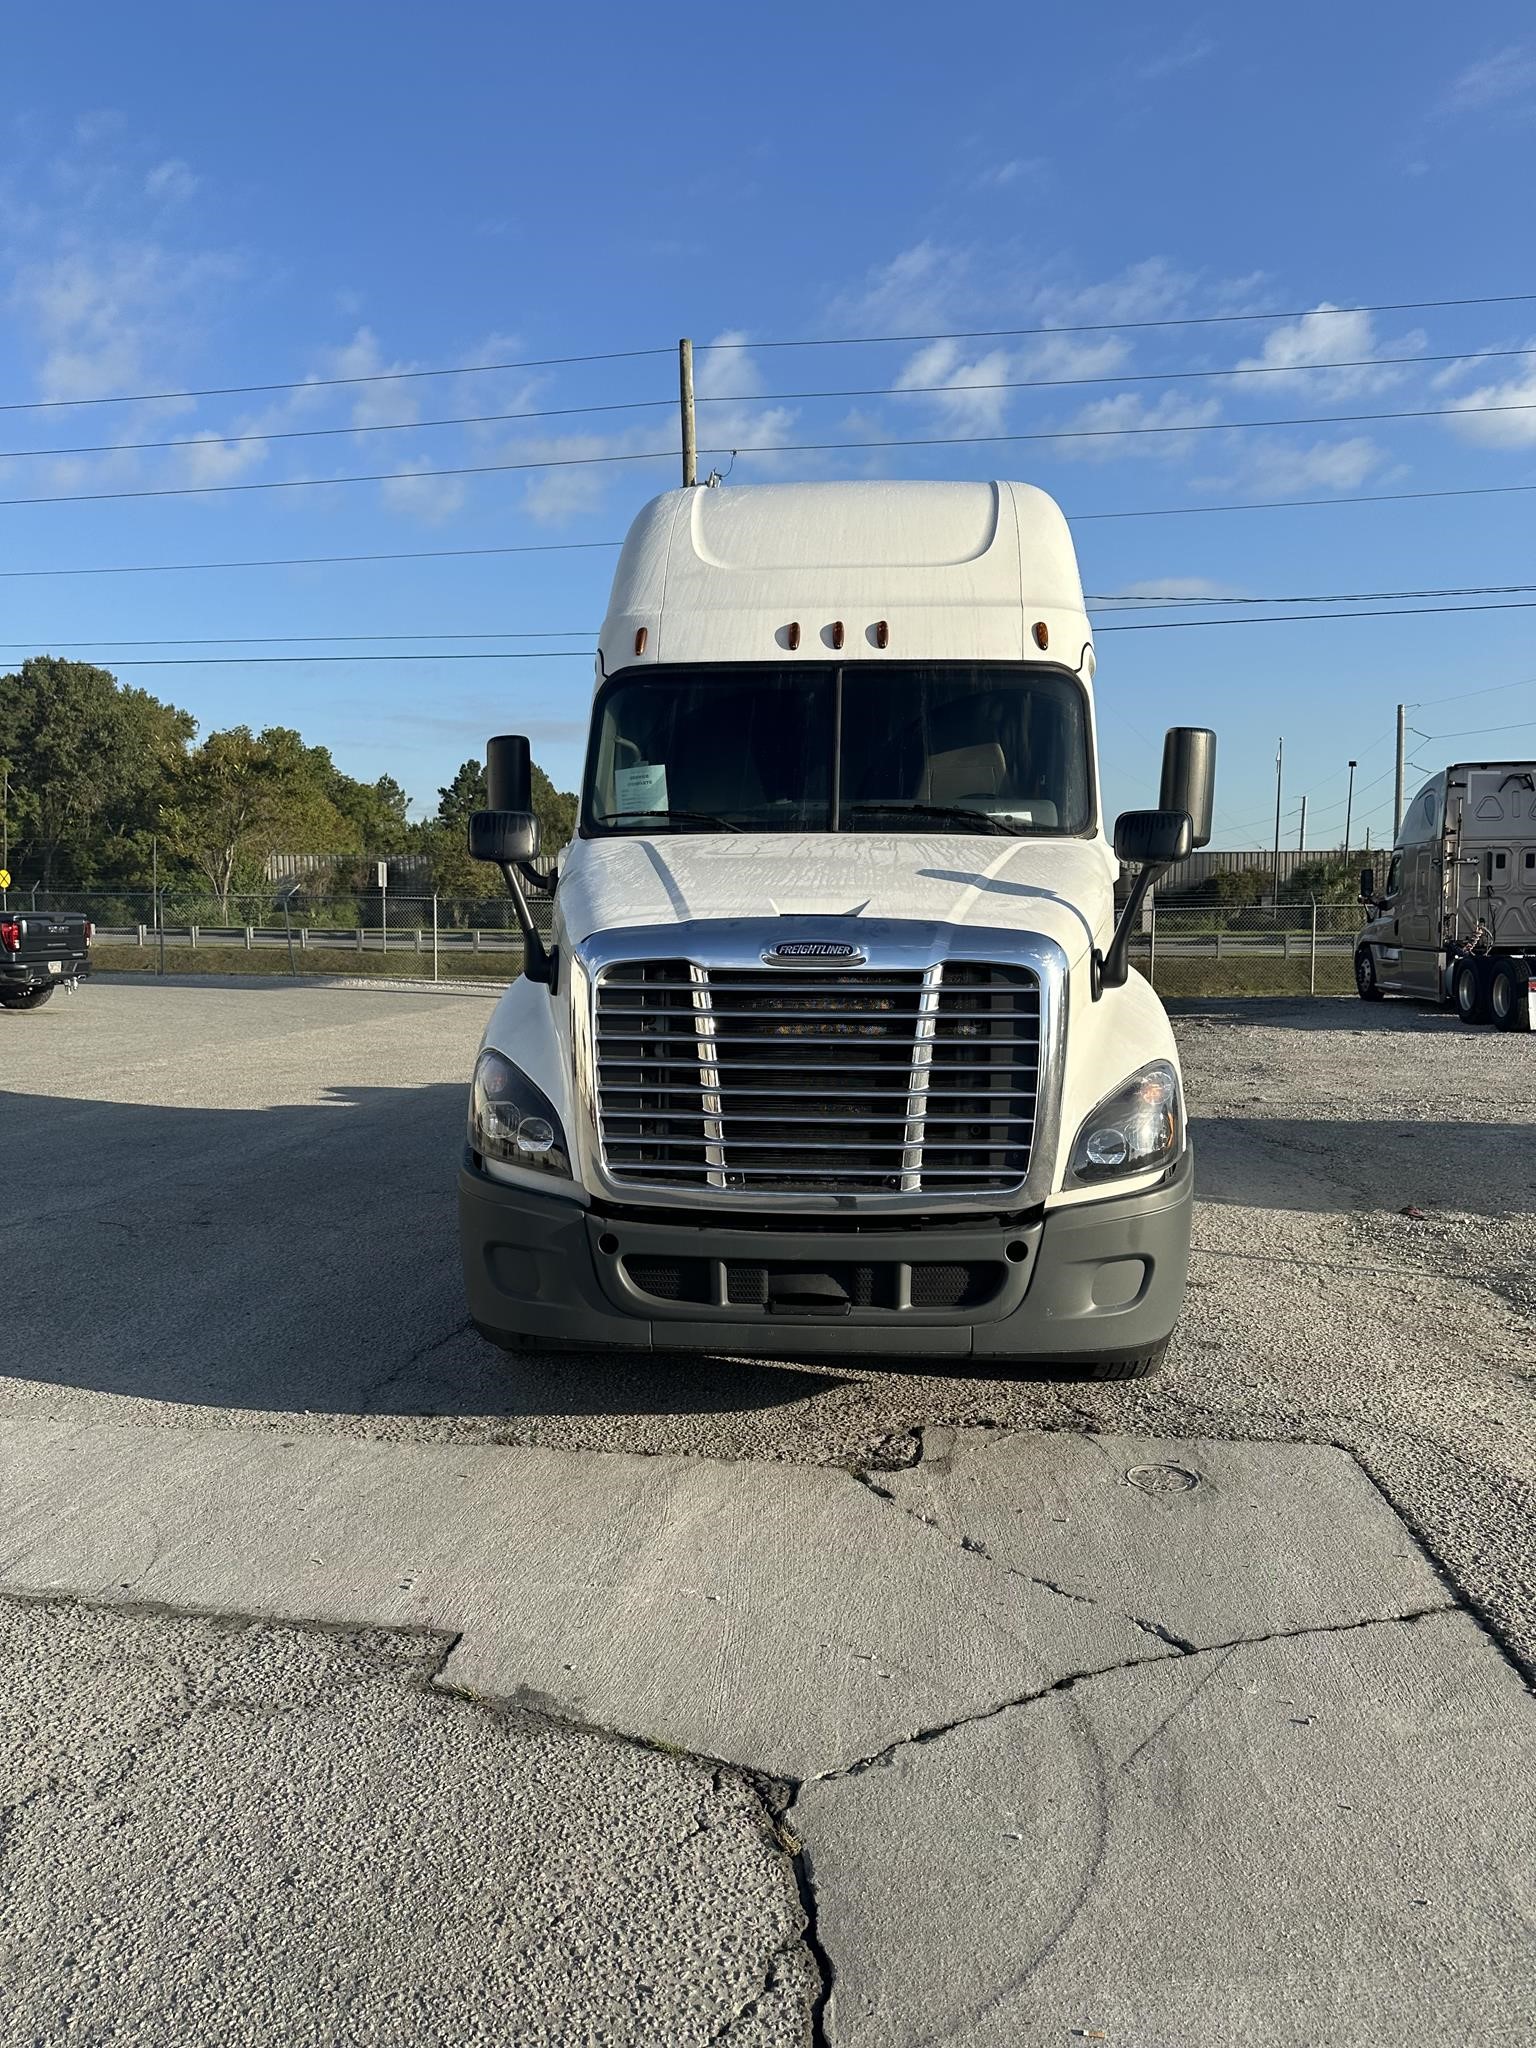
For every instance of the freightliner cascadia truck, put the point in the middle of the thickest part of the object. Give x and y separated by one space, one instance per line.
833 1049
1455 920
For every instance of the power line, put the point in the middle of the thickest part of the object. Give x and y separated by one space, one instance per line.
545 547
560 654
1304 504
211 439
770 448
1420 611
289 639
1128 326
823 341
1472 732
1132 599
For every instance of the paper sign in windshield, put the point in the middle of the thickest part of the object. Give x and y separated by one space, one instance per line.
642 787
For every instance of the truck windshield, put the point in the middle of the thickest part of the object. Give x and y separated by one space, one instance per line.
882 747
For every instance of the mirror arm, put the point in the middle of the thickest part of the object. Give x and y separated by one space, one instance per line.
537 964
1113 969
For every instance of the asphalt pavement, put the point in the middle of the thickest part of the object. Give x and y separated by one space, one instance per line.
1170 1634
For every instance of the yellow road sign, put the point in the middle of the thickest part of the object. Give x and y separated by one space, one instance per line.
5 878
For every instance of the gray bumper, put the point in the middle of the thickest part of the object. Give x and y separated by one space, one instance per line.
1104 1281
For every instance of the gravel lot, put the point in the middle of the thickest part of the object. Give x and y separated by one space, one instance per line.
233 1206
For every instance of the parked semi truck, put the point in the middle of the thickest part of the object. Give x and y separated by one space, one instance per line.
1455 920
834 1048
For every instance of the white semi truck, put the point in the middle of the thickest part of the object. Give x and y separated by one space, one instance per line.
1455 920
834 1048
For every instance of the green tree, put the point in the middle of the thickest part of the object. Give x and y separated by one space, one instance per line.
444 839
242 796
89 762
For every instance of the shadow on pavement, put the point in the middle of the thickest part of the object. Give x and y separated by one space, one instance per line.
302 1258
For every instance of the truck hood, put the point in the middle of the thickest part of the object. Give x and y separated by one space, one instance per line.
1059 888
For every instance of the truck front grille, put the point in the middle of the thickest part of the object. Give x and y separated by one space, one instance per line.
815 1081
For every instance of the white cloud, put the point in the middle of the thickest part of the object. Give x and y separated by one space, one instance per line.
1499 429
1179 586
1016 170
1276 469
1329 335
210 460
970 408
1509 74
431 499
1128 424
1193 49
172 181
104 312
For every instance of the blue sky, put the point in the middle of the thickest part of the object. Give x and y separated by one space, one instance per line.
193 196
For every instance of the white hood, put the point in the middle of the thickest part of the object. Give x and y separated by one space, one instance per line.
1060 888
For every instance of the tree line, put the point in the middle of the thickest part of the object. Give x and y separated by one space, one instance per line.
102 785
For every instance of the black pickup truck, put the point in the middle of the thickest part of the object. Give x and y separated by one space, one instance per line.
39 950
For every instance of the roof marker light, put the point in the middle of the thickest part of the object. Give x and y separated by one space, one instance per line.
837 632
792 635
1042 634
641 636
882 633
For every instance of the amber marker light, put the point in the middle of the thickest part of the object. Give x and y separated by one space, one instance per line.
641 636
792 635
1042 635
882 633
837 632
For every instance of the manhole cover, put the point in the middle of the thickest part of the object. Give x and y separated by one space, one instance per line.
1163 1478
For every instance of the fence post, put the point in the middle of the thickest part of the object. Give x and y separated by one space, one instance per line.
303 938
192 939
434 935
250 937
143 933
477 938
1312 989
359 938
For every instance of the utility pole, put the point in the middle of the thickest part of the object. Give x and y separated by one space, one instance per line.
1349 807
1402 754
685 394
1279 765
1301 836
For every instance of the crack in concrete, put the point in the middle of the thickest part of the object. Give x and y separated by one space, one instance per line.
881 1759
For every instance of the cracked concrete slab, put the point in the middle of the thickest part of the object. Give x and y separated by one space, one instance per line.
1203 1542
785 1618
252 1834
1285 1843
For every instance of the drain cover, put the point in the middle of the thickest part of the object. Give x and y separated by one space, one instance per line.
1163 1478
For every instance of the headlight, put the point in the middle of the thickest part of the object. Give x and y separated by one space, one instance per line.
1137 1128
511 1120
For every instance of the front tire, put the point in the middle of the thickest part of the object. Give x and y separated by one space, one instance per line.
1366 984
26 998
1469 991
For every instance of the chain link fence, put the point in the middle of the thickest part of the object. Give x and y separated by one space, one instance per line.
1214 949
1218 949
434 938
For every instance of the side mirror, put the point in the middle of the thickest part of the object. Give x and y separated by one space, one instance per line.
503 836
1367 885
508 774
1189 778
1153 838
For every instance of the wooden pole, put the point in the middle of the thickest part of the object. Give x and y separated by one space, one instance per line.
685 395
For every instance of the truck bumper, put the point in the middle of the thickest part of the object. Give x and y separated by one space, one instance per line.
18 976
1103 1281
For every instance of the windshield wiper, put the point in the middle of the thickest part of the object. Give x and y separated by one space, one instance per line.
985 819
686 817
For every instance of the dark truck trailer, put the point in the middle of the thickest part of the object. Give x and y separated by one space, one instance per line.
41 950
1456 920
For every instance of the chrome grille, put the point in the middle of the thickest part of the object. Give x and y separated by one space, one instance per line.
818 1081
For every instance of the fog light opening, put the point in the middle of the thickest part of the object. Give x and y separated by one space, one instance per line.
608 1244
1016 1252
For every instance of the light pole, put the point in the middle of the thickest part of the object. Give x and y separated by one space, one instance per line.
1279 764
1349 809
